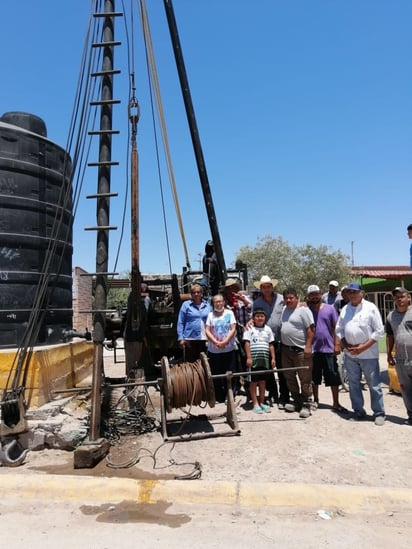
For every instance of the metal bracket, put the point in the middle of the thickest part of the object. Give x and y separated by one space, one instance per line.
13 411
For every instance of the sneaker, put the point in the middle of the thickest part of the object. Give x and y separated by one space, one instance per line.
257 410
265 408
380 420
281 406
305 412
290 407
313 405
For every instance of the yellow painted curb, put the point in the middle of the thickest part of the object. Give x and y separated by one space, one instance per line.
85 489
351 499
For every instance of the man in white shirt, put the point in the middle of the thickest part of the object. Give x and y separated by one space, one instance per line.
332 294
359 329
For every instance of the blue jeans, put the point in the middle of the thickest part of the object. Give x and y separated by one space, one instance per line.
370 369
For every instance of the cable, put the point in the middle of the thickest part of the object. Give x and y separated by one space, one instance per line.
18 371
130 65
154 85
141 453
188 385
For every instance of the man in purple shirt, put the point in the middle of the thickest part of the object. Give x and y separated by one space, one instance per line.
325 347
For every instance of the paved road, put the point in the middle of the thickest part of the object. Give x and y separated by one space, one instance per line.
98 513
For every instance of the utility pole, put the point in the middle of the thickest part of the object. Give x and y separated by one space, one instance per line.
91 451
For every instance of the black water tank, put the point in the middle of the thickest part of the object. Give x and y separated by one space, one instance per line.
35 213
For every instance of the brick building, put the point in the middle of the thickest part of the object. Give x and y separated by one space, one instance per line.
82 300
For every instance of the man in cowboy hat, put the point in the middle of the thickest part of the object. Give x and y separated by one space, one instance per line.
241 305
272 303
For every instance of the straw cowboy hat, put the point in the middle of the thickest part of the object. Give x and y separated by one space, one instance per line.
232 282
265 280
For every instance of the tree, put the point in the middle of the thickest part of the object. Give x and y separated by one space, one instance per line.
117 297
296 266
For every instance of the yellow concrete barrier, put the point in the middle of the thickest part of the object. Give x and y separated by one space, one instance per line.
51 368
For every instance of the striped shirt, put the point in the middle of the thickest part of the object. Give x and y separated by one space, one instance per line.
259 339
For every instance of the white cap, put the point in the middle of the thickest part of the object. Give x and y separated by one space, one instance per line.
334 283
313 289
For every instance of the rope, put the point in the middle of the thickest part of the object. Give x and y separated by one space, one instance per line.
154 81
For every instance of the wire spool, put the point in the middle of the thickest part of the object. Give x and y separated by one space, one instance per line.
188 383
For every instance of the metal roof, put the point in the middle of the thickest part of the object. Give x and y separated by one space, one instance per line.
380 271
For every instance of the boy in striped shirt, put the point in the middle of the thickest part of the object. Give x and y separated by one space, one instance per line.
260 355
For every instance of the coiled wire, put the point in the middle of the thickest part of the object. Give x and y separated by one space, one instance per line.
189 386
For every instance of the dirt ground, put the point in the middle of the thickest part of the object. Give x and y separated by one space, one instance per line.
326 448
278 447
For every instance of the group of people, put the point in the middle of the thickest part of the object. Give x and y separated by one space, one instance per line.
301 340
214 327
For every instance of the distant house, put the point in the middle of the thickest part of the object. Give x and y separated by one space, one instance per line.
383 278
378 282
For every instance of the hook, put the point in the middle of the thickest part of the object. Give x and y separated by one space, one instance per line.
6 459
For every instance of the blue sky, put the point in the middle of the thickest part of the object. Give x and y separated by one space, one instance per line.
303 108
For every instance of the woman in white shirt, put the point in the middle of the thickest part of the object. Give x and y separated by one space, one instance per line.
220 332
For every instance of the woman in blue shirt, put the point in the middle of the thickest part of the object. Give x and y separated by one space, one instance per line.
191 324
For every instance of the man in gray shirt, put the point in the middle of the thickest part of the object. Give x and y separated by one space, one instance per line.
296 334
398 327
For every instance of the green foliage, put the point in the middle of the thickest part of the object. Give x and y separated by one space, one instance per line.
296 266
117 297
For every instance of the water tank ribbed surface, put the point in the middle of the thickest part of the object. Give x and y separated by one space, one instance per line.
35 230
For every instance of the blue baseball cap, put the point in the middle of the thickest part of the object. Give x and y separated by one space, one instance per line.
354 286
